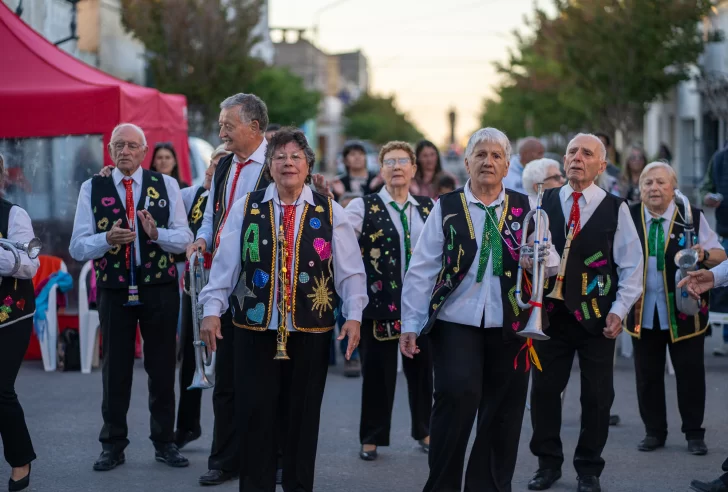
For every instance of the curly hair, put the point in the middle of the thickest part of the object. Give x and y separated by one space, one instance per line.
396 145
283 137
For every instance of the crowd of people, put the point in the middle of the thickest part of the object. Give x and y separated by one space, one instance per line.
401 260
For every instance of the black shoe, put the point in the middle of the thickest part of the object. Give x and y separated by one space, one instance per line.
544 479
108 460
170 455
588 484
183 438
279 476
697 447
22 484
352 368
614 420
650 443
368 455
714 486
424 446
217 477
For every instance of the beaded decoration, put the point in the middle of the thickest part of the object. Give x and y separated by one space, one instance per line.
585 308
595 307
593 258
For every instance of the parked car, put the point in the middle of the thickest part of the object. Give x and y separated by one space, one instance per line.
200 153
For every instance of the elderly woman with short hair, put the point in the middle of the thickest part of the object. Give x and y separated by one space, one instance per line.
546 171
655 321
460 289
284 252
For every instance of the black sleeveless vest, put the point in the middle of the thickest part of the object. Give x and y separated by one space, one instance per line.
383 258
17 296
157 265
222 174
681 326
312 286
460 251
590 281
197 211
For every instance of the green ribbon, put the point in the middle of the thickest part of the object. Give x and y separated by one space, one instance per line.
405 228
491 244
656 242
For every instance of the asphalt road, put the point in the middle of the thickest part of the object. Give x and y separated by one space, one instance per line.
63 412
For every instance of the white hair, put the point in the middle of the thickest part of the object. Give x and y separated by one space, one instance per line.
220 150
490 135
134 127
602 148
659 165
536 172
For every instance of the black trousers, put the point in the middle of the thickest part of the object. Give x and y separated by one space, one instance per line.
188 411
379 379
157 319
474 375
13 430
262 384
649 363
596 361
225 454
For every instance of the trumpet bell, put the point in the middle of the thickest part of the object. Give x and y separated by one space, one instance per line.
200 381
281 353
33 248
686 259
533 328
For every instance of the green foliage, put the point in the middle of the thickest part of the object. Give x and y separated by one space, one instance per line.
378 120
289 101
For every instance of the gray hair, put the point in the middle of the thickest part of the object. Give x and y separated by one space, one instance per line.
602 148
489 135
220 150
283 137
659 165
134 127
536 172
252 108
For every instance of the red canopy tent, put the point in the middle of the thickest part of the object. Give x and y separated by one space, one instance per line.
45 92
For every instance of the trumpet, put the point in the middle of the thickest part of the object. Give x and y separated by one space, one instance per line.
534 327
198 279
31 248
283 305
686 261
558 291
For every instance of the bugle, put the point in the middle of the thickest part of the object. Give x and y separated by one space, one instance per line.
534 327
31 248
203 357
686 261
283 304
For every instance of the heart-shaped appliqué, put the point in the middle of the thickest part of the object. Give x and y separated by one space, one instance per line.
148 265
376 286
256 314
116 210
172 271
322 247
517 211
121 278
102 264
515 325
21 304
108 201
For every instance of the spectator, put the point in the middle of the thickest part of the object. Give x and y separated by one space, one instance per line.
664 154
164 160
445 184
429 170
271 130
357 178
529 150
612 154
546 171
629 181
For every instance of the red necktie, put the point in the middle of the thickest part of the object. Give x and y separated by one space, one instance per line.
129 212
231 199
575 215
289 225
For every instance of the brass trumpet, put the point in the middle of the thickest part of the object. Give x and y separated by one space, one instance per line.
203 356
32 248
558 291
534 327
283 304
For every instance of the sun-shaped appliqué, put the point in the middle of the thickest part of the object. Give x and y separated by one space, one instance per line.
322 295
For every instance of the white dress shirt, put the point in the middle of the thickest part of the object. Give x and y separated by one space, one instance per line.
349 276
626 250
188 197
356 212
473 301
720 274
246 183
20 230
88 244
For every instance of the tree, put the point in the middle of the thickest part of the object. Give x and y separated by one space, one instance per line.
378 120
290 102
199 48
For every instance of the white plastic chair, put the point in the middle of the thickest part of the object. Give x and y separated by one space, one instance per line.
49 340
88 322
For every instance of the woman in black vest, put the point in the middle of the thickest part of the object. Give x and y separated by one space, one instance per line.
16 325
388 225
283 253
655 322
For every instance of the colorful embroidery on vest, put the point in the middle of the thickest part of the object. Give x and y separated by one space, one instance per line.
593 258
595 307
250 244
585 308
322 247
322 295
152 193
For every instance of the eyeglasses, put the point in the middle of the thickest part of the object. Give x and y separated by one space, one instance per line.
119 146
402 161
557 177
278 158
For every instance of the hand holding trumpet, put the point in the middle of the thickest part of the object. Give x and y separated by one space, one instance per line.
698 282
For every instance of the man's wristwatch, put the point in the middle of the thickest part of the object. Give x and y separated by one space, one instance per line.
706 255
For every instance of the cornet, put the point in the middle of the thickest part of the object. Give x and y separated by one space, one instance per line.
534 327
32 248
203 356
686 261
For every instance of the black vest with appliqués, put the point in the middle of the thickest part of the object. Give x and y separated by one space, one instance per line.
17 296
224 172
197 211
681 326
460 253
157 266
590 280
312 278
383 261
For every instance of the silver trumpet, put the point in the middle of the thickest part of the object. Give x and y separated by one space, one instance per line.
203 356
32 248
534 327
686 261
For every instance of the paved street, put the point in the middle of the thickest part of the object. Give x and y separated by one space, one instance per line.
63 412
